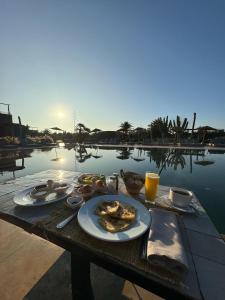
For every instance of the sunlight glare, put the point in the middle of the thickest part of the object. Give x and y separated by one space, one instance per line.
60 114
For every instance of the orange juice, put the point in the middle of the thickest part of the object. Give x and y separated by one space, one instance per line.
151 185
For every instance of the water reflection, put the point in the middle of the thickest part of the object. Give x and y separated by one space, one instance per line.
159 156
177 158
8 160
47 149
124 153
81 154
57 158
139 156
96 154
163 158
204 162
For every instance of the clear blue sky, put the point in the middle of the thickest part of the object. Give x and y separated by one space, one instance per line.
112 60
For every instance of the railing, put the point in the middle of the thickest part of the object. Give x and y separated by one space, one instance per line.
6 104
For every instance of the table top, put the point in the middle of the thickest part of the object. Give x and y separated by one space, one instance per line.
206 249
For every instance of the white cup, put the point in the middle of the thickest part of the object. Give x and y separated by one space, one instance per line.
180 197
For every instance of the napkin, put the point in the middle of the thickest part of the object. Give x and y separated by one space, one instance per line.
164 248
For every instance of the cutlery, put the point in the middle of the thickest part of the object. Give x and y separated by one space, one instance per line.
66 221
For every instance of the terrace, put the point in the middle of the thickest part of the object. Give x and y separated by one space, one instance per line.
36 256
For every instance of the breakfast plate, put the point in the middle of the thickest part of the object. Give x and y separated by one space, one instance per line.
24 197
88 178
89 220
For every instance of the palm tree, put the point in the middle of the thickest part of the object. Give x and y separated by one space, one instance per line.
149 129
178 127
125 127
160 126
139 131
193 125
81 129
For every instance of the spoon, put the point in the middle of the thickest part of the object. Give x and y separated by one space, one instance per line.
67 220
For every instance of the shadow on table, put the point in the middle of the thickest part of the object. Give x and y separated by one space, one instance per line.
55 283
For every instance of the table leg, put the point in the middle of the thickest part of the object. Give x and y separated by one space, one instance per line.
80 278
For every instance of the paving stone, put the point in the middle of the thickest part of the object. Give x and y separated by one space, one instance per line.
201 224
206 246
211 278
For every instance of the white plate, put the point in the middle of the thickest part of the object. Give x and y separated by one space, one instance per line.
23 197
88 220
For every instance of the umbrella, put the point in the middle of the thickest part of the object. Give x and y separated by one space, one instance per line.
206 128
56 128
137 159
122 157
57 159
96 156
82 159
204 162
216 151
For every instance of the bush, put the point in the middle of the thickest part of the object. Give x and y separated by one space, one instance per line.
39 140
9 140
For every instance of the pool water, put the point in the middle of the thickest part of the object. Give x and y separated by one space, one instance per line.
202 171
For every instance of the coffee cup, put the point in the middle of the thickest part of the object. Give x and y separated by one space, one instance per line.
180 197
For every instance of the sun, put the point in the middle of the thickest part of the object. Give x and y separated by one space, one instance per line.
60 114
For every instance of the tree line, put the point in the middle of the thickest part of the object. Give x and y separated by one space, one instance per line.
161 129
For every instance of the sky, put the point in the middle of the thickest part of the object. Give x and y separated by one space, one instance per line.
105 62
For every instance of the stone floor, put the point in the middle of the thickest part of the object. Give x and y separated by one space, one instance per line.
34 269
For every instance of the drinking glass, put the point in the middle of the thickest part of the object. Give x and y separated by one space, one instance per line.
111 184
151 185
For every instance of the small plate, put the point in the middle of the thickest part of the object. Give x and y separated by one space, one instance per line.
88 220
77 192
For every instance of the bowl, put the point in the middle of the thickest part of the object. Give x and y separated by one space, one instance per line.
74 201
180 197
84 191
134 182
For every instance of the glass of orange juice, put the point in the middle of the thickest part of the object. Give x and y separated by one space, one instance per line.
151 185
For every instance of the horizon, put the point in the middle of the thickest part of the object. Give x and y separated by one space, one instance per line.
102 63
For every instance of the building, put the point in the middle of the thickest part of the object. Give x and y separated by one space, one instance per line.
6 124
8 128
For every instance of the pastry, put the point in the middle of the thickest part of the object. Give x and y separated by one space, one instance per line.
107 208
113 225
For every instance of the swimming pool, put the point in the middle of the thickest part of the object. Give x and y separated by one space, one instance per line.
202 171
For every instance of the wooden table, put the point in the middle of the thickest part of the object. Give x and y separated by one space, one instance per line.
205 247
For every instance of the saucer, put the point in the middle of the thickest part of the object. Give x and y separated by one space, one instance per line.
188 209
165 202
